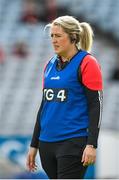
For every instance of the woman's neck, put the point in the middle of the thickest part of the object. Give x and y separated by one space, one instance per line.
68 56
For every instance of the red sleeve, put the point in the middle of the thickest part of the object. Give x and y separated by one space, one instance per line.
91 73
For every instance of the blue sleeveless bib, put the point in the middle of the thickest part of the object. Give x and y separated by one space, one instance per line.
65 112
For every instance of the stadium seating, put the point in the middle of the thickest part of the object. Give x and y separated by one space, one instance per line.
102 14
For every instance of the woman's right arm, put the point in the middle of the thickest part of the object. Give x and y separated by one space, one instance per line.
36 132
31 165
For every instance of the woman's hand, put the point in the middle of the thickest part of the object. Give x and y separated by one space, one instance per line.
30 163
89 155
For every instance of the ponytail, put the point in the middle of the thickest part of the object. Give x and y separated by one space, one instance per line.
86 36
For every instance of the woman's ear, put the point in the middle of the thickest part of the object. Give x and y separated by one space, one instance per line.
72 38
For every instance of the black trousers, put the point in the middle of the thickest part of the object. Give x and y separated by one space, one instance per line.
62 160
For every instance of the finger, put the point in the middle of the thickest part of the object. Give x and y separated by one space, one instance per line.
85 164
33 168
86 160
28 163
83 157
89 162
32 164
92 160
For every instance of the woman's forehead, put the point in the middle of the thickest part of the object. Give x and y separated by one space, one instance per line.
57 28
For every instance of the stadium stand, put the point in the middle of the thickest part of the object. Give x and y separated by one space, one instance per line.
102 14
21 80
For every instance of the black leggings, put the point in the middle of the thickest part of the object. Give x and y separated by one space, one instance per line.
62 160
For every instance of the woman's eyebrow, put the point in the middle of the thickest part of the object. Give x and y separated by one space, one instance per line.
55 34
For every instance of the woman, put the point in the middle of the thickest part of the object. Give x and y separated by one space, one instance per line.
68 121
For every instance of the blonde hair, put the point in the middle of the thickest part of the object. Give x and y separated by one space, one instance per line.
80 33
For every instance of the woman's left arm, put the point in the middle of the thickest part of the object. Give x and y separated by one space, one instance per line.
91 78
95 114
95 106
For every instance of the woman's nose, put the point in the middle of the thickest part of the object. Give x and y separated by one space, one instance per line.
54 40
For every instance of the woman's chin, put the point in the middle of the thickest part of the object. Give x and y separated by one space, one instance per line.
57 52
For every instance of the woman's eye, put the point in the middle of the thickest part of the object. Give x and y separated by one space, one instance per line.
56 35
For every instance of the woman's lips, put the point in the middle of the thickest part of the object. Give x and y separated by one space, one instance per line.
56 46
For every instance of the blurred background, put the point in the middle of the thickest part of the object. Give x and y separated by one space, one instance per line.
24 49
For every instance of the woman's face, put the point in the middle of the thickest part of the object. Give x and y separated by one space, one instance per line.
60 40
